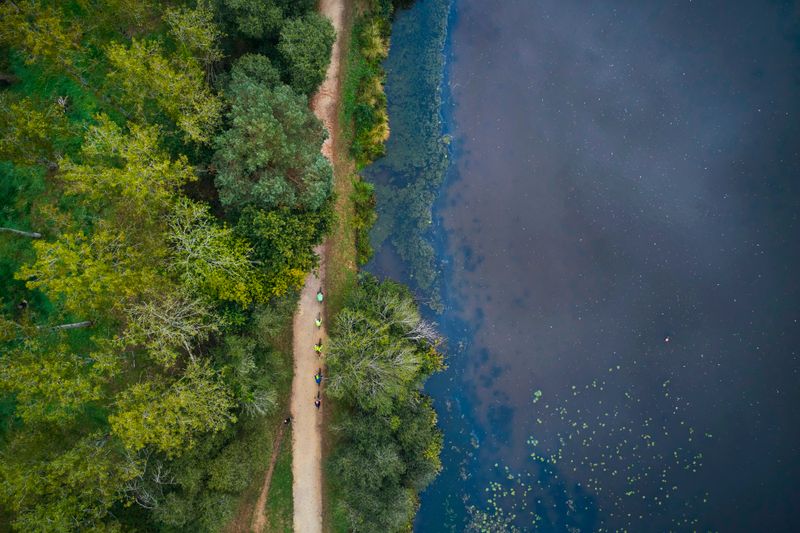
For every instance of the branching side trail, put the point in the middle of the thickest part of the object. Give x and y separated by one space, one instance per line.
259 517
307 434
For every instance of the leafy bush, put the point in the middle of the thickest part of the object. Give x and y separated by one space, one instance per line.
363 198
305 46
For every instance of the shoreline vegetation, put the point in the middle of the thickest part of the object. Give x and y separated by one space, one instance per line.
381 450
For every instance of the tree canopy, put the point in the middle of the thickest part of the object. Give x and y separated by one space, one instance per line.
305 46
269 157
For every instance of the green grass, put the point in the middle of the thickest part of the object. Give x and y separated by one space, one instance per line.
279 507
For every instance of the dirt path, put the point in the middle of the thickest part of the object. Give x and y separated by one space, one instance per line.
306 434
259 517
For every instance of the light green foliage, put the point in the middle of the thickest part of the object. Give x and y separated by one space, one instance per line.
93 275
170 418
147 78
57 488
128 170
305 46
283 241
53 384
363 97
209 258
30 131
380 347
40 32
195 32
170 324
270 157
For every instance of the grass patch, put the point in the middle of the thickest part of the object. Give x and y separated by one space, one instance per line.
279 507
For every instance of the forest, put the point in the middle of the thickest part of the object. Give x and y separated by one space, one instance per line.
162 190
161 193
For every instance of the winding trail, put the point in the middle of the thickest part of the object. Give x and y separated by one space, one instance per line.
307 423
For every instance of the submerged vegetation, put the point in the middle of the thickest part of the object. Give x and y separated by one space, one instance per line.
409 177
145 310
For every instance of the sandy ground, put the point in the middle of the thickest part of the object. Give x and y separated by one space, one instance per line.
307 435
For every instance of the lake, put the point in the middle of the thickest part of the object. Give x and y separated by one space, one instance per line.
617 239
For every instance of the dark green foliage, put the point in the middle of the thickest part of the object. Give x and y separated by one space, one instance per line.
255 18
305 46
283 241
270 156
363 198
257 68
388 449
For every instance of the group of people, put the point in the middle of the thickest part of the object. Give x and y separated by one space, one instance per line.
318 350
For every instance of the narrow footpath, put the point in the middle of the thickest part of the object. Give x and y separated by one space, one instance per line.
307 423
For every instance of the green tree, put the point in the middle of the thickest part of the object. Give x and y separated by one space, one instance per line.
41 32
388 446
255 18
147 78
53 487
195 31
256 68
30 131
270 157
172 417
211 259
283 242
95 276
380 347
305 46
128 171
167 325
53 384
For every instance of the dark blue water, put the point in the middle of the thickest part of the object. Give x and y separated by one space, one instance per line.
619 238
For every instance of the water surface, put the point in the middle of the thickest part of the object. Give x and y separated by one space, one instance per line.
618 235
